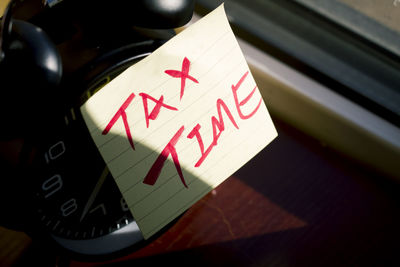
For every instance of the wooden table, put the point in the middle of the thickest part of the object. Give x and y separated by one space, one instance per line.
297 203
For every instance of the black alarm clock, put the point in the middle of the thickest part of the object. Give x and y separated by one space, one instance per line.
54 56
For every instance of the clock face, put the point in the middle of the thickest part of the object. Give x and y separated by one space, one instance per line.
76 198
76 194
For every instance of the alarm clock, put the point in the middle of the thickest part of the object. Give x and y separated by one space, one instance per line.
53 57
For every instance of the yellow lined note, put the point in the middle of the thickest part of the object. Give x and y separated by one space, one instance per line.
179 122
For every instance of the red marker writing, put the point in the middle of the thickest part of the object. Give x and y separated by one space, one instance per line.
121 113
156 110
216 124
238 104
169 149
184 74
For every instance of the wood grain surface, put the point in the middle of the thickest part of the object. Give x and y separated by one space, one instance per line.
297 203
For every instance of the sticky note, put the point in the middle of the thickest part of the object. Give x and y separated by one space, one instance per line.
179 122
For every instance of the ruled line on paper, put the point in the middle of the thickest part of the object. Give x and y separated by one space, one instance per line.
179 122
174 118
180 152
165 80
181 209
235 65
215 163
207 128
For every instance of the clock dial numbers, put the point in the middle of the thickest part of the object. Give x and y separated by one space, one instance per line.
69 207
75 201
124 205
54 151
100 208
52 185
95 192
76 194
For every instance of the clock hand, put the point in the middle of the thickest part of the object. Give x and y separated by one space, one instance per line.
96 190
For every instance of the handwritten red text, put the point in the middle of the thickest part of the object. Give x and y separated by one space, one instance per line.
184 74
218 123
